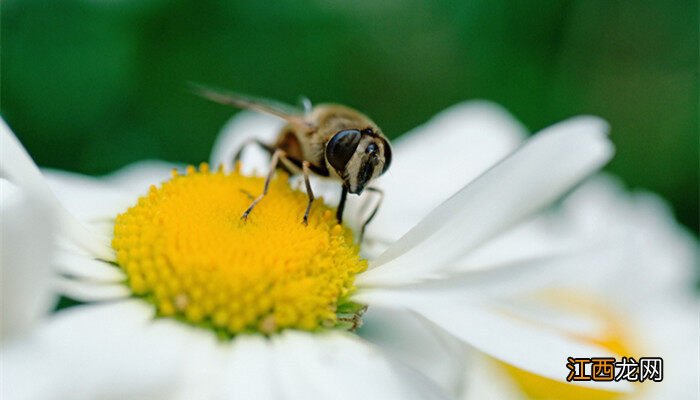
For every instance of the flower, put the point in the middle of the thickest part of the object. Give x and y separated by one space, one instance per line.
419 272
634 294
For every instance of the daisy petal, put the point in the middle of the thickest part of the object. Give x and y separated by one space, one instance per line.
504 281
250 370
479 285
515 331
136 178
489 380
25 250
90 291
464 140
663 253
528 346
16 165
242 127
26 374
18 168
102 352
97 245
539 172
122 317
671 327
84 267
87 198
542 237
214 369
203 359
407 338
341 366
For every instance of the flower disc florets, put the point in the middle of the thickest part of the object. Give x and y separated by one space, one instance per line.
185 248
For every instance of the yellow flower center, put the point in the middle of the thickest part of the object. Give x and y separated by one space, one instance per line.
185 248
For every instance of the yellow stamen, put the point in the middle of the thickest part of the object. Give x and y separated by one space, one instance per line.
185 248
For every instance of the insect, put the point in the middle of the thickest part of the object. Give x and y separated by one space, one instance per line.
328 140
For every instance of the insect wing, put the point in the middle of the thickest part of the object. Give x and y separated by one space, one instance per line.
287 112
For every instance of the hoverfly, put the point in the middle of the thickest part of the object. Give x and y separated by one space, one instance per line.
328 140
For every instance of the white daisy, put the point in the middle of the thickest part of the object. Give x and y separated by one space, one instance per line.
172 294
634 296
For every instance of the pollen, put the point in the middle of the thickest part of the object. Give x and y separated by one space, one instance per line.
185 249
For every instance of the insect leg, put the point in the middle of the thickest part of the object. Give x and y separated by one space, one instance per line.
273 165
309 192
247 143
374 212
353 320
341 205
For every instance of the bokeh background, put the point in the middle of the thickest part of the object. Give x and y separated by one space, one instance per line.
92 85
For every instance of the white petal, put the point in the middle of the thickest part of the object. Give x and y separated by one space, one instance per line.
631 238
548 165
85 197
103 352
480 286
669 329
98 199
203 362
91 241
117 351
515 331
90 291
294 365
652 284
517 341
26 229
120 318
25 372
489 380
18 168
135 179
242 127
433 161
16 165
250 369
661 328
407 338
87 268
542 237
339 366
661 256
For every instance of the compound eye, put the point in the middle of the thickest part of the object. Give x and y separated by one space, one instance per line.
341 147
387 156
371 149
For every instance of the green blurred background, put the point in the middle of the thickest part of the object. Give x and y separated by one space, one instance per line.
93 85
